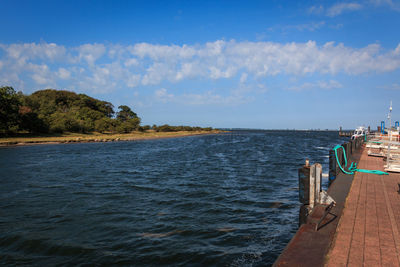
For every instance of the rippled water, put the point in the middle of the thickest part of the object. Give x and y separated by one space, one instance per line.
226 200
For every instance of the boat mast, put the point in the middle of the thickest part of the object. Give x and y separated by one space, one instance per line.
390 130
390 115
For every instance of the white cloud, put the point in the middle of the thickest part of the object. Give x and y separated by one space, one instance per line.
339 8
162 52
336 9
11 79
324 85
397 50
394 5
393 86
243 77
312 26
344 7
207 98
131 62
189 70
316 9
163 96
39 79
210 98
103 68
217 73
91 52
45 51
41 74
63 73
157 73
133 80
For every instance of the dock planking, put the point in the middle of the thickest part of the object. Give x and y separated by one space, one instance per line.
368 230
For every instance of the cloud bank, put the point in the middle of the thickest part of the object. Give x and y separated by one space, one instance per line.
104 68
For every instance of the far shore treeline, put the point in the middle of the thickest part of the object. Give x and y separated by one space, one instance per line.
59 111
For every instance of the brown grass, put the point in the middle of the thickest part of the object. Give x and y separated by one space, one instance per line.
96 137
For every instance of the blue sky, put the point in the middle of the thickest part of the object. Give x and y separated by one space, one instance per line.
250 64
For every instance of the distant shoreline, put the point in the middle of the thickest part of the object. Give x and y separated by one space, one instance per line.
91 138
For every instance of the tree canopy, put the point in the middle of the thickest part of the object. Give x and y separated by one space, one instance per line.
9 107
60 111
125 113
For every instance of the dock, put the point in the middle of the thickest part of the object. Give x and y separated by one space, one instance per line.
368 232
362 229
345 134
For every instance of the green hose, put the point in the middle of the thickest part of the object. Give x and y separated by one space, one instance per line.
353 167
375 142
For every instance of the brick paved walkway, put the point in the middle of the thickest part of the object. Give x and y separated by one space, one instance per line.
368 232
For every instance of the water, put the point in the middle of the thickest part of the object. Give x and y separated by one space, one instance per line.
223 200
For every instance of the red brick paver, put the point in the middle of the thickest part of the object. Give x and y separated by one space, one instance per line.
368 231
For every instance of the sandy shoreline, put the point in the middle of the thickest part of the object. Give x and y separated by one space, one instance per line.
80 138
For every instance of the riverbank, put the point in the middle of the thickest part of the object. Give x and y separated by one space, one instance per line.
96 137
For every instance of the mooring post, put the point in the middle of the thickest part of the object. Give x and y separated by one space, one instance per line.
312 186
304 176
310 190
332 166
304 192
315 184
317 181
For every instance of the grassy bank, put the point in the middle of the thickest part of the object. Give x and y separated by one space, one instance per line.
95 137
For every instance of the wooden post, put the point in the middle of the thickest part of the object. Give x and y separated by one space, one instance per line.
315 184
313 175
304 192
340 156
310 191
332 166
318 180
349 144
304 183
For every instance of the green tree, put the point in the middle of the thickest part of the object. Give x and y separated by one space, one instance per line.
29 121
68 111
144 128
165 128
128 125
125 113
103 125
9 107
64 122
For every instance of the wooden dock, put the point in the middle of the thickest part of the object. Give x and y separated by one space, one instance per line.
345 134
362 229
368 231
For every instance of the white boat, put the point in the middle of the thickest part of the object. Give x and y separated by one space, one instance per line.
360 131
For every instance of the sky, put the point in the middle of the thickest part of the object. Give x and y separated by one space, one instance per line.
225 64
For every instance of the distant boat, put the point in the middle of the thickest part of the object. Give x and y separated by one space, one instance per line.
360 131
